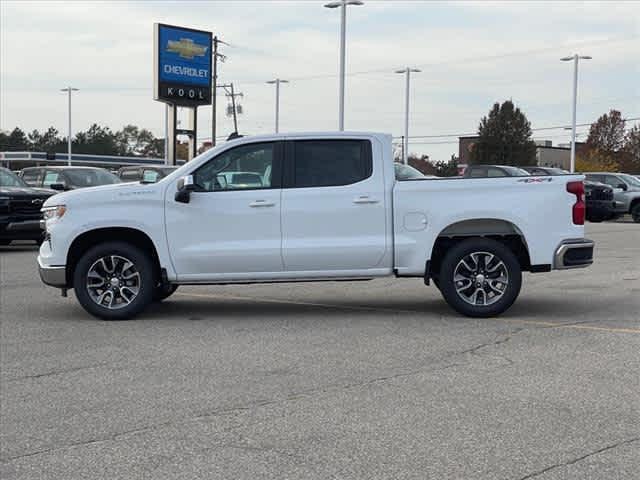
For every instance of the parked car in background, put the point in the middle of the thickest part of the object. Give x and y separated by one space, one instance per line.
540 171
626 191
407 172
144 173
484 171
67 178
20 207
599 200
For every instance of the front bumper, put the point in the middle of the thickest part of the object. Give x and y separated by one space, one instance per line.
53 276
576 253
21 230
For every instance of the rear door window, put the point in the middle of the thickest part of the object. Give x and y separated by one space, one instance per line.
330 163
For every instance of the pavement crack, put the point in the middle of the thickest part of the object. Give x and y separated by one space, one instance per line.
61 371
232 410
499 341
579 459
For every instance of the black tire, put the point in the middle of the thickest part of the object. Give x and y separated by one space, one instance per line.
145 280
595 219
162 292
492 303
635 212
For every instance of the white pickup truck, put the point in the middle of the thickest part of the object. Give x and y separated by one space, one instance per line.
305 207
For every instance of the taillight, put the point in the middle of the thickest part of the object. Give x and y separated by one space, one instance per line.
579 208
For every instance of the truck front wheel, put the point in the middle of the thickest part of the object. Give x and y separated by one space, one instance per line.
480 277
635 212
114 281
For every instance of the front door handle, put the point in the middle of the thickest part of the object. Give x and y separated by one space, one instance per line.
365 199
261 203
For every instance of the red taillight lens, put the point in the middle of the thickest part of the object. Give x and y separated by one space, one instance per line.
579 208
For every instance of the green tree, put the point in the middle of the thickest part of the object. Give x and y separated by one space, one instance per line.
607 133
15 141
447 169
505 137
96 140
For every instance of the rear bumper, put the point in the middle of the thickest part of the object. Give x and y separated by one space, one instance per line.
52 276
576 253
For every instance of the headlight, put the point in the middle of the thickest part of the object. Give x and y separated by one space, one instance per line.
54 213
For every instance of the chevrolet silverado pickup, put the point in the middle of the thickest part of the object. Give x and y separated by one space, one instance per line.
310 207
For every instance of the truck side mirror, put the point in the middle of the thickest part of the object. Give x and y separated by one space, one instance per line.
623 186
57 186
186 185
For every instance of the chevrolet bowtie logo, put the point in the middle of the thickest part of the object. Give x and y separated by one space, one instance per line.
186 48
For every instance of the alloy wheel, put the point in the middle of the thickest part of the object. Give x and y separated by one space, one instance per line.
481 278
113 282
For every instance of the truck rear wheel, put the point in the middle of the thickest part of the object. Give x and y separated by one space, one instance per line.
480 277
114 281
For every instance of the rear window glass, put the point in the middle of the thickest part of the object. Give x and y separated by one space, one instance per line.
327 163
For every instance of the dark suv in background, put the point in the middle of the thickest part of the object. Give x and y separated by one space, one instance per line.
67 178
626 191
20 207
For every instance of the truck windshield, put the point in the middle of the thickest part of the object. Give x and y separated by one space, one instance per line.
10 179
630 179
90 178
405 172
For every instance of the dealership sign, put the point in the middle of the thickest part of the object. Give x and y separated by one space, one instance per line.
182 65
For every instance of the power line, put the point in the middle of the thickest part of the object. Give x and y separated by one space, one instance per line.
533 130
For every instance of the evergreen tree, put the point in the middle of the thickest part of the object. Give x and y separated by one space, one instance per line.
505 137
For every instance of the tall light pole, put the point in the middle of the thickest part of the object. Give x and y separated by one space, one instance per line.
405 147
69 90
277 83
575 58
343 38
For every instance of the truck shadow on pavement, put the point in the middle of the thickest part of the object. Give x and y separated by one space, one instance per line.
197 308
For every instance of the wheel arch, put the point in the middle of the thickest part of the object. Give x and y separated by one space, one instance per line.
90 238
501 230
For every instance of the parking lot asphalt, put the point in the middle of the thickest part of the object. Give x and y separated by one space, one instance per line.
360 380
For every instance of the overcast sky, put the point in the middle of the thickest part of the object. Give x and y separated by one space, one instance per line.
471 55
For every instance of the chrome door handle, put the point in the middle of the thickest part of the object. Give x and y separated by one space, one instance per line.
261 203
365 199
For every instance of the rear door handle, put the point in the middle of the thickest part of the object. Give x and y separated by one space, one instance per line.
365 199
261 203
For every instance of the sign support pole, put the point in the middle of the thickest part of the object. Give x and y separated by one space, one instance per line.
171 140
193 126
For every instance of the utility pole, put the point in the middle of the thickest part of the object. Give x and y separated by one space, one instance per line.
574 58
69 90
214 87
277 83
405 149
234 109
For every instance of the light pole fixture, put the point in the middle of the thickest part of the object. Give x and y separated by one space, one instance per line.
69 90
343 38
405 147
575 58
277 83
